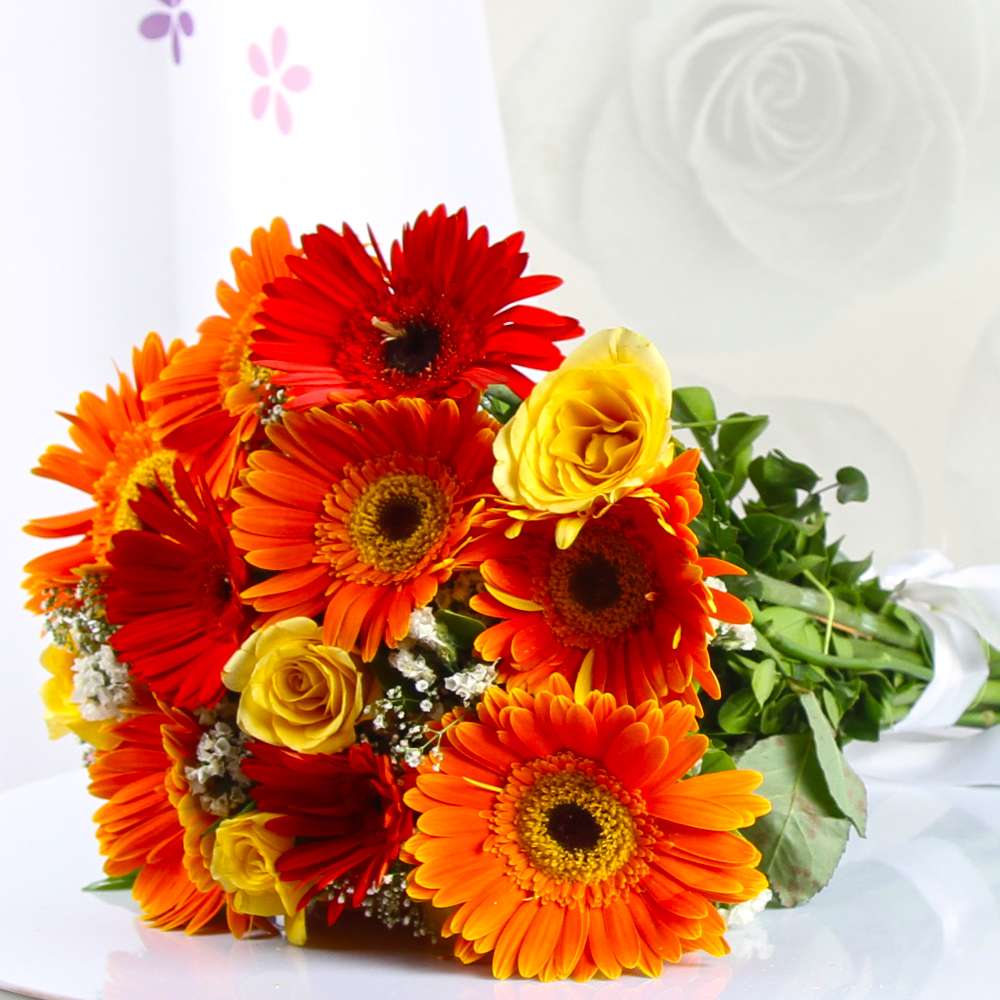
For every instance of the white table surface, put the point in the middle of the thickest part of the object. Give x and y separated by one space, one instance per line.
913 912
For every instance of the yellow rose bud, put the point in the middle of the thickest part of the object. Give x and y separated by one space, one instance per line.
62 714
592 431
244 862
296 692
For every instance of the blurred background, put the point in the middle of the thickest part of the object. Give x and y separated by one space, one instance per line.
798 200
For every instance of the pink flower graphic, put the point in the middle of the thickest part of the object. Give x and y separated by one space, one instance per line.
160 24
294 78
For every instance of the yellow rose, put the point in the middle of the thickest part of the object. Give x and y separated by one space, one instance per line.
296 692
62 714
244 862
590 432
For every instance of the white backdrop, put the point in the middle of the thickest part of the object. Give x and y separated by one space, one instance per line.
127 177
799 200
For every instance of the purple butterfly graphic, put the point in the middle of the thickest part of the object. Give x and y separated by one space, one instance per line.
175 23
292 79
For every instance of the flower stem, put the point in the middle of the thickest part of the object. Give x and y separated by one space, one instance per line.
879 657
682 425
989 695
853 619
979 719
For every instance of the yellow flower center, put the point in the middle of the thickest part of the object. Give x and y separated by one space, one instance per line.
156 469
137 462
241 381
571 832
397 520
597 588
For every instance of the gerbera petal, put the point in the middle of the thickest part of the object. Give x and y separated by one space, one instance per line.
505 954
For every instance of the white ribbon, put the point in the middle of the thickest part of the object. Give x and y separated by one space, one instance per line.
961 608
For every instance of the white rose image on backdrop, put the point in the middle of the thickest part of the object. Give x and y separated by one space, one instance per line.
797 199
791 152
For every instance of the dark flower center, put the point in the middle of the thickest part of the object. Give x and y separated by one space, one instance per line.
415 349
573 827
399 518
594 585
598 587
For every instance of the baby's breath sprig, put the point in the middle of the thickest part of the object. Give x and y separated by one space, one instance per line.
217 779
75 616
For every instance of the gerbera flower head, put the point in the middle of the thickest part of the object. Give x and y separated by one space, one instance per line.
153 822
444 313
115 454
364 512
211 397
624 609
345 812
563 837
174 590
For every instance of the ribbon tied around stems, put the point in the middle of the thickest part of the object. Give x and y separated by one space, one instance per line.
961 609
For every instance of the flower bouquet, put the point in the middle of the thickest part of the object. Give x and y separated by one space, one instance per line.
359 619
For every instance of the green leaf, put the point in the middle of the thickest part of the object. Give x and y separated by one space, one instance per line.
792 625
694 405
113 884
763 679
831 706
776 471
853 486
716 760
738 712
764 531
803 837
462 628
734 437
835 769
850 571
500 402
780 716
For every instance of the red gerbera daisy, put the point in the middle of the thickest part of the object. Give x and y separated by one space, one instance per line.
344 810
625 608
363 513
437 317
153 822
174 589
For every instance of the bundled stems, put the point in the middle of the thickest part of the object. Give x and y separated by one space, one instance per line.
846 617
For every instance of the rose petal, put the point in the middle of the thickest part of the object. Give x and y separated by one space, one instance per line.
282 113
154 26
279 45
259 101
296 78
258 61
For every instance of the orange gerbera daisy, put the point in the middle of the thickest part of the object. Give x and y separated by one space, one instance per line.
115 455
153 822
212 394
563 837
624 609
363 512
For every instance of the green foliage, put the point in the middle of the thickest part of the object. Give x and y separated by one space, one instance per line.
113 884
803 837
835 659
463 629
500 402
